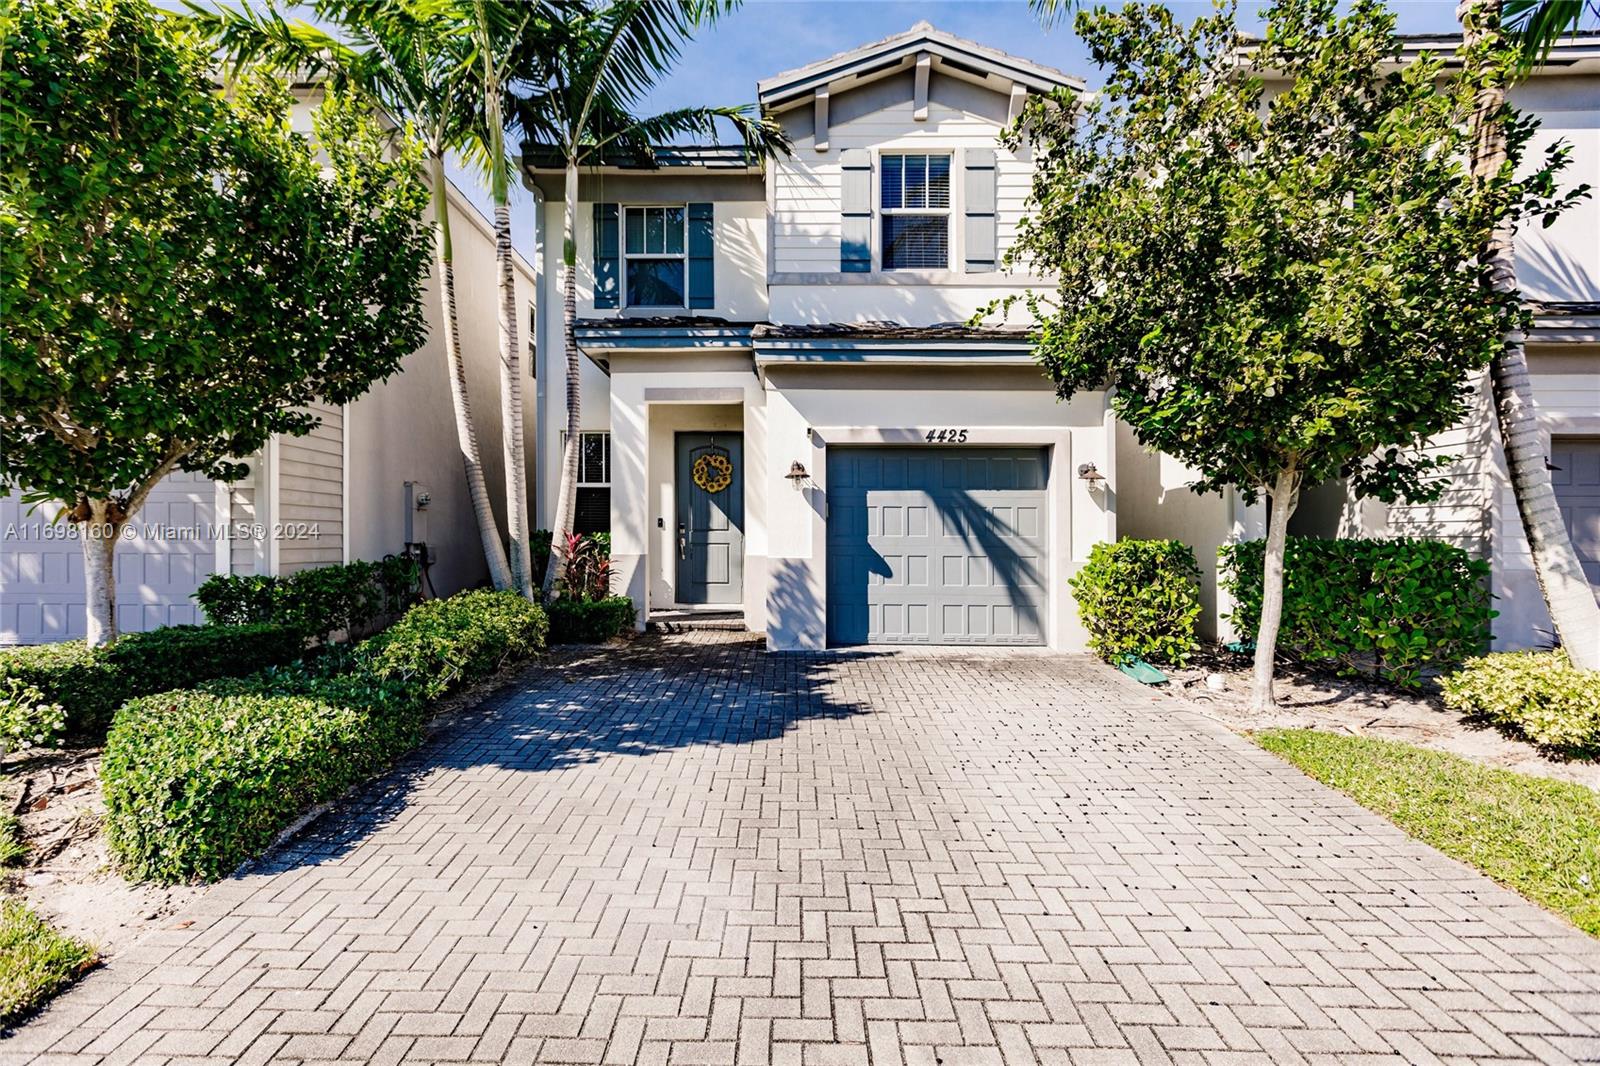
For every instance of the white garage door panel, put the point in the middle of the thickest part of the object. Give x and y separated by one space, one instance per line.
41 577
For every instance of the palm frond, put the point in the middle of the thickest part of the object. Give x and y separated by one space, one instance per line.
1536 25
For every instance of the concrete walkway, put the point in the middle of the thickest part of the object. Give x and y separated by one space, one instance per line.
690 851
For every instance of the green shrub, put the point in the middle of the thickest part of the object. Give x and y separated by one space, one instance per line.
1139 598
197 782
90 684
27 718
36 961
353 598
1539 695
590 621
441 645
1391 607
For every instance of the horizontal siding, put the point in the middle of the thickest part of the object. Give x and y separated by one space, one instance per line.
806 184
1460 515
310 518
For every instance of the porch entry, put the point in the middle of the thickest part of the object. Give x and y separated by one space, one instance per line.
709 486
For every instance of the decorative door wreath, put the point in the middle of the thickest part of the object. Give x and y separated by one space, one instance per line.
713 472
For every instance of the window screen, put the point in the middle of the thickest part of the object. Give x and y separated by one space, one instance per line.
915 202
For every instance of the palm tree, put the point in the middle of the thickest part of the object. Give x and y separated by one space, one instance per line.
575 98
500 32
412 58
1490 31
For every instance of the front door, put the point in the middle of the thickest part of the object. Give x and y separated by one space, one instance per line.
710 490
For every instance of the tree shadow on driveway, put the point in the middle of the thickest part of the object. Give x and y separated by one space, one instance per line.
580 705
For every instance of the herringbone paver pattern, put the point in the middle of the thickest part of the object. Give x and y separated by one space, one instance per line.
694 852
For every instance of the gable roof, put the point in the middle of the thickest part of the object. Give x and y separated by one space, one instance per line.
952 54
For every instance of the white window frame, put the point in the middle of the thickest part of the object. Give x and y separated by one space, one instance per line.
683 256
949 210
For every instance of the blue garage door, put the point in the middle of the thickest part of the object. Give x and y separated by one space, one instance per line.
937 545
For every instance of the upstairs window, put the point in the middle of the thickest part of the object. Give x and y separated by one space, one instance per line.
915 201
653 249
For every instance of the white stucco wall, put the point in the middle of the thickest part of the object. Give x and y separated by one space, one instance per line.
810 408
405 428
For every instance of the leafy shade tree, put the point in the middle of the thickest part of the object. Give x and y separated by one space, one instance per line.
180 278
1491 56
414 59
1279 290
577 95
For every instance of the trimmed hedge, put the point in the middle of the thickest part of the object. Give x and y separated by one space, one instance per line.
590 621
1139 598
441 645
197 782
1536 694
353 598
91 683
1389 607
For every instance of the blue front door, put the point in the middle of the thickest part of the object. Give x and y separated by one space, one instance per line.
710 533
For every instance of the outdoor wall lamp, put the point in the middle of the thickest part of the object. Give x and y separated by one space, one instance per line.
1088 472
797 475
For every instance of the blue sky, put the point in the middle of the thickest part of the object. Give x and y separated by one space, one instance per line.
765 37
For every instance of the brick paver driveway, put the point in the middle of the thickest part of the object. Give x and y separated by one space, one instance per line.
691 851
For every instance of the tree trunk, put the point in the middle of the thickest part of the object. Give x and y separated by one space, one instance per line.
568 492
1284 495
521 558
99 535
494 551
1567 594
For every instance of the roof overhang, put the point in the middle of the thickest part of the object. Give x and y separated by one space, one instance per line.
943 51
600 339
898 346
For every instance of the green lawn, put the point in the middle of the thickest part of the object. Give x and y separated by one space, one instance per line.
12 849
36 961
1539 837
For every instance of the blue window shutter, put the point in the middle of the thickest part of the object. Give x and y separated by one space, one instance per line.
855 206
702 259
607 292
980 241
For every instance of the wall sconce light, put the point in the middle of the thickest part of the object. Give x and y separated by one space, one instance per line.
797 475
1088 472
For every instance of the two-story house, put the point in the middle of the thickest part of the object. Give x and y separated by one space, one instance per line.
786 413
789 415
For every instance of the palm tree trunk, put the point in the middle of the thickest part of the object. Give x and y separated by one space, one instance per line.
1571 602
1285 495
521 559
494 551
567 496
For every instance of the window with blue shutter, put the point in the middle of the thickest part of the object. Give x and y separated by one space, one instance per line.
607 291
702 256
855 203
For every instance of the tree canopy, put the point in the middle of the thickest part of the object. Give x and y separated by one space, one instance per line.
180 272
1270 249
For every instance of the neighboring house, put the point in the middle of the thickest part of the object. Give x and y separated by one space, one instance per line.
346 491
787 416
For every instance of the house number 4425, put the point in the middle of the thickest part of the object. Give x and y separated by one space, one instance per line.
947 436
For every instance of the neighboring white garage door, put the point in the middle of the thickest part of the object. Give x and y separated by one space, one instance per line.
937 545
41 576
1577 485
